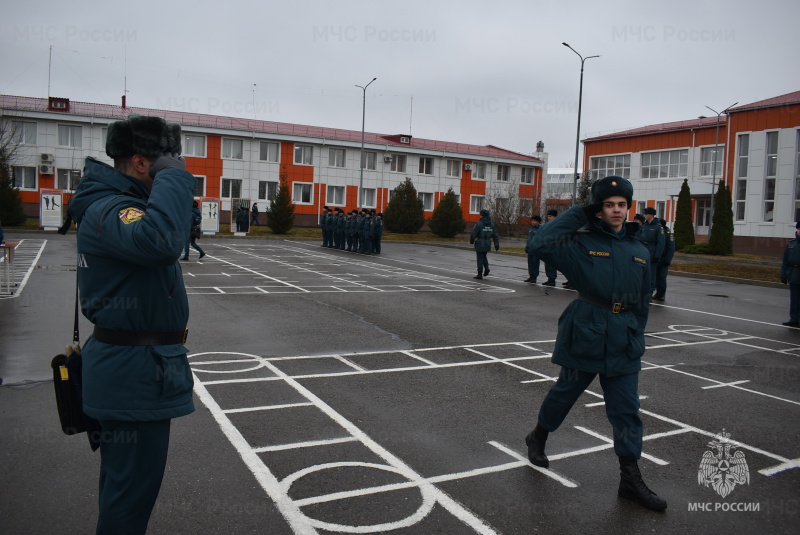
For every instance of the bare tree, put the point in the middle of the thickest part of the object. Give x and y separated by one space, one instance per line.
11 212
509 209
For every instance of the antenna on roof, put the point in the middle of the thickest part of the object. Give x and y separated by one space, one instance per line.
125 79
410 115
254 101
49 69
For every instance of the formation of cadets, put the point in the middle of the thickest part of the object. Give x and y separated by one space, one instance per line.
356 231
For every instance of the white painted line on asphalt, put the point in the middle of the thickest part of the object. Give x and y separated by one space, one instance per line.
308 444
415 356
772 470
546 471
726 384
267 408
608 440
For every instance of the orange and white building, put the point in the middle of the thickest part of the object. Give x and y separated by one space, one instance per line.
761 167
244 158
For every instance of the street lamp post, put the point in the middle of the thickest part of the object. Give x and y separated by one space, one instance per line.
363 117
714 165
578 137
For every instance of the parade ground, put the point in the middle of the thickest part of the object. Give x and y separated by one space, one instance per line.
344 393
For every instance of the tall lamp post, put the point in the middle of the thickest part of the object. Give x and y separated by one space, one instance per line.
363 117
714 165
578 137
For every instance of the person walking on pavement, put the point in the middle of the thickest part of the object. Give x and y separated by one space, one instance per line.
133 220
663 264
550 272
602 331
790 274
254 215
533 260
483 233
377 234
652 233
194 233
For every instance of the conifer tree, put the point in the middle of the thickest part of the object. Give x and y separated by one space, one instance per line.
11 213
281 209
721 240
583 196
447 219
405 212
684 228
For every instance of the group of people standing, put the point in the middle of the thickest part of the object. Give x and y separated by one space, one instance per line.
356 231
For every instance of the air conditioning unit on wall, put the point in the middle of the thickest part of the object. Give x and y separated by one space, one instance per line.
47 158
45 169
387 158
468 167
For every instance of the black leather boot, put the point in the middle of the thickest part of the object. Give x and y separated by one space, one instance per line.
535 441
632 487
479 276
485 271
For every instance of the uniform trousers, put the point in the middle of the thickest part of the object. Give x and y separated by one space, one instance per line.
550 271
194 245
366 244
621 395
661 278
794 301
653 274
376 245
133 456
533 266
483 260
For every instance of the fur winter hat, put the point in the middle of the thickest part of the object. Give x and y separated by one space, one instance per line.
650 210
553 213
139 134
612 186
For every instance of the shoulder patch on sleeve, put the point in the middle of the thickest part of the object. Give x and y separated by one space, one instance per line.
130 215
639 260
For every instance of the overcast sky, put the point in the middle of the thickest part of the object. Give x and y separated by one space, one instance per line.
476 72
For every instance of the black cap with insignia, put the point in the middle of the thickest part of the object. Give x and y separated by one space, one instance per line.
612 186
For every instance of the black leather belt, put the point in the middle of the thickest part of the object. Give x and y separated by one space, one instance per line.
616 308
140 338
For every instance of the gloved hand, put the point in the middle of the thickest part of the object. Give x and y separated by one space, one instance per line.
167 161
591 210
784 281
497 248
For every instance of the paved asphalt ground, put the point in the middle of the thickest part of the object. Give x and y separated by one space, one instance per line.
339 393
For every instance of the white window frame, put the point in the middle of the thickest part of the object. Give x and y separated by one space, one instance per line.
707 167
425 165
742 163
427 200
200 180
770 175
336 157
298 192
227 187
666 163
23 132
454 168
610 164
304 155
399 163
70 176
527 176
194 145
270 190
479 171
336 195
70 135
31 177
661 209
229 146
272 150
476 205
503 173
371 160
368 197
797 178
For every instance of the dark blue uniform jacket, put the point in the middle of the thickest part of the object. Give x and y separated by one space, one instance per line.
608 267
790 268
129 242
483 240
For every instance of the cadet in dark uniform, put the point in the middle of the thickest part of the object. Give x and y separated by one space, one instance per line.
601 332
359 227
366 233
550 272
652 234
663 264
254 215
790 273
323 223
341 223
350 229
533 260
194 233
377 233
483 233
134 220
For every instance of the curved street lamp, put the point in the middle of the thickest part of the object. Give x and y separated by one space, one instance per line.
578 136
714 165
363 117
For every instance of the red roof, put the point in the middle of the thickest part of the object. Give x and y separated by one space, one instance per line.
251 125
705 122
783 100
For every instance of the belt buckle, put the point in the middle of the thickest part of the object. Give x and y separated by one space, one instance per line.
185 335
616 308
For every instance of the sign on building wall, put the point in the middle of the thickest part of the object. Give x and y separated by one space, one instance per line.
50 211
209 208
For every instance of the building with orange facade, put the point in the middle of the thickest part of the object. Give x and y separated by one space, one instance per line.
244 159
762 168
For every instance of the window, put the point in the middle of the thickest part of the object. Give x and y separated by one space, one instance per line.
425 166
475 203
398 163
503 173
267 190
199 186
454 168
665 164
661 207
194 145
25 177
742 156
427 200
231 188
711 161
525 207
303 154
769 181
70 136
23 133
603 166
797 180
371 159
268 151
67 179
642 206
336 157
303 193
368 198
527 175
335 195
232 148
478 171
